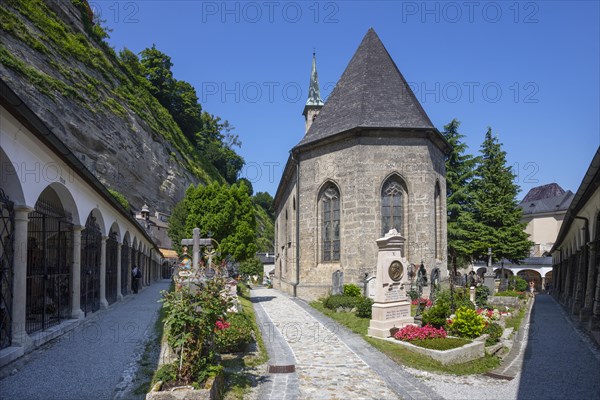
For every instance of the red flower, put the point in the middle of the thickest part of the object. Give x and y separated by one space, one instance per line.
220 324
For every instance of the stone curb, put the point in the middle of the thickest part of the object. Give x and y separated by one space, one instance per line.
511 365
281 381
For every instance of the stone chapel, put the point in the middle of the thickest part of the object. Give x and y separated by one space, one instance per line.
370 161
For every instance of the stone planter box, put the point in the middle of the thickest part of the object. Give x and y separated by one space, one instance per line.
213 390
468 352
503 301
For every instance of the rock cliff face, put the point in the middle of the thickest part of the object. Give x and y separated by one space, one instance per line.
77 85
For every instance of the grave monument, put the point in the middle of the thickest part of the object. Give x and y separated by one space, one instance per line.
392 305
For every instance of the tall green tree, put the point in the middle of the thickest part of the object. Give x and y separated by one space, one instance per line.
157 69
496 212
226 213
460 170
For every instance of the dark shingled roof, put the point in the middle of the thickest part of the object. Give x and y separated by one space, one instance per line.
548 204
544 192
372 93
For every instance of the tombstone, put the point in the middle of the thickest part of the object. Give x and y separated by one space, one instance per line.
370 292
337 279
489 280
231 293
472 294
392 305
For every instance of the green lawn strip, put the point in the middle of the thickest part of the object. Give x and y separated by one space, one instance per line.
148 363
401 354
514 321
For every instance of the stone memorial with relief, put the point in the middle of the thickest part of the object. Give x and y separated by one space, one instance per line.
392 305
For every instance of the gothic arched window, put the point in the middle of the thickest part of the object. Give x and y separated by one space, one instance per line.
330 225
392 210
437 219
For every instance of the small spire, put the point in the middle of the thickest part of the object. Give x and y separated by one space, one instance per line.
314 93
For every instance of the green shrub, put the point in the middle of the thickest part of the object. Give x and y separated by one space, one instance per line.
437 315
191 314
339 300
166 373
413 294
481 295
517 283
352 290
467 323
462 300
237 336
495 331
364 307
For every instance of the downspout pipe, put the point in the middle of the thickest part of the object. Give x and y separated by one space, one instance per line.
295 284
586 228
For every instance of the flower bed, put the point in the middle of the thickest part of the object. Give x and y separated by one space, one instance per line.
434 342
413 332
467 352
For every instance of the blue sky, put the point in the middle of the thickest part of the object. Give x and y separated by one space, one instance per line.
530 70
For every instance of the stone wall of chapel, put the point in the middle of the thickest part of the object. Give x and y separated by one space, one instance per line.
285 239
359 166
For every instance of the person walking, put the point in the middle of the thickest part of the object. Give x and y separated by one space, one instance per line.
136 275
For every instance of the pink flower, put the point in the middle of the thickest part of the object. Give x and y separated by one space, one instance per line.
412 332
422 300
220 324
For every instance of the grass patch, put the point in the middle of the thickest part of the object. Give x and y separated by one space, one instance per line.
514 321
349 320
401 354
147 371
404 356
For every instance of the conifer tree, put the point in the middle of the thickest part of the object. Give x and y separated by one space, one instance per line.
460 169
496 212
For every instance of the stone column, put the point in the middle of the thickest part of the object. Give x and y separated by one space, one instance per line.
596 306
119 294
543 288
103 302
19 300
590 287
579 280
130 256
76 311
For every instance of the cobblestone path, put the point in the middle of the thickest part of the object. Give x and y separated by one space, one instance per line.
326 366
96 360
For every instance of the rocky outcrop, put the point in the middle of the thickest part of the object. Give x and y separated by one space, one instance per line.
86 96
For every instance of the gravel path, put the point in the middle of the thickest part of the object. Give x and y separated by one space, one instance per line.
559 361
96 360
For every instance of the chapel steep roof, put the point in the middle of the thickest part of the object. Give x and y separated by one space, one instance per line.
372 93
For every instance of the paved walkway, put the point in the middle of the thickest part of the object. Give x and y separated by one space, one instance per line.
559 361
552 360
330 361
96 360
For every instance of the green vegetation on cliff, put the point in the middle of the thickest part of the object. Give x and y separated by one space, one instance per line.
80 66
59 50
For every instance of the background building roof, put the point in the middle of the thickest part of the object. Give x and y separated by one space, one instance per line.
546 198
